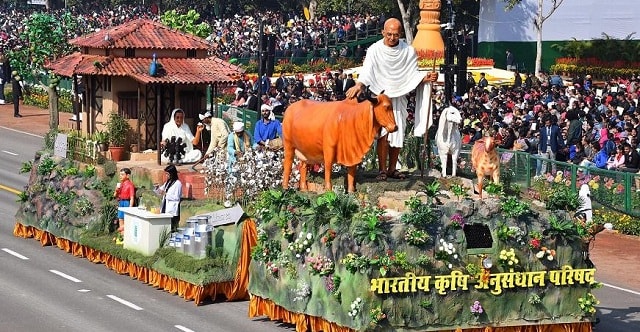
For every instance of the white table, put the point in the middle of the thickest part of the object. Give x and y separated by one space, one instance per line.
142 229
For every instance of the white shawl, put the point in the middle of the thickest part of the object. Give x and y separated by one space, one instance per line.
184 132
395 70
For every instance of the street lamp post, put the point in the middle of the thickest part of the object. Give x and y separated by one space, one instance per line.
449 67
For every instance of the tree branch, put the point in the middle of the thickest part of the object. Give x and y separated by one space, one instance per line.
556 4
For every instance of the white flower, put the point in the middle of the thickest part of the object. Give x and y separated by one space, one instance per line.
455 256
309 236
450 245
353 305
358 300
297 255
440 248
450 265
305 242
308 249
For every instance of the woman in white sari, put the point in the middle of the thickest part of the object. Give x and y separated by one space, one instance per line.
178 129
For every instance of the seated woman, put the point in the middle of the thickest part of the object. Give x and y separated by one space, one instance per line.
616 160
177 141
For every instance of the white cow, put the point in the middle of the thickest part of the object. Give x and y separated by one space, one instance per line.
448 138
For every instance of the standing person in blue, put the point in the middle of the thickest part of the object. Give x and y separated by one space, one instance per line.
483 83
238 143
171 192
550 143
268 128
265 84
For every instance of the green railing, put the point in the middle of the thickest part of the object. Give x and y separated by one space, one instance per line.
234 113
82 149
611 189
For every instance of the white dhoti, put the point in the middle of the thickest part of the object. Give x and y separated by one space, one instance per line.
396 138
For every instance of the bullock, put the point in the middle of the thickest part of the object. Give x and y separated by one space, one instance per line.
333 132
484 159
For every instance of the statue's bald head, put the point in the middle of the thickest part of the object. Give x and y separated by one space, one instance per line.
391 32
392 23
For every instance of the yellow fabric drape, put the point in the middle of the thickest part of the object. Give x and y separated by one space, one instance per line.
237 289
264 307
232 290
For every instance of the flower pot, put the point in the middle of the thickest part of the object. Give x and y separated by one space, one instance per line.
117 153
103 147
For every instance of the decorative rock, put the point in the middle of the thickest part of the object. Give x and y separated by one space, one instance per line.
488 207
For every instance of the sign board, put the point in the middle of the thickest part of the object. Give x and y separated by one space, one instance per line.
37 2
60 146
225 216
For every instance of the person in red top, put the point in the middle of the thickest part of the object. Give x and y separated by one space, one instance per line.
125 193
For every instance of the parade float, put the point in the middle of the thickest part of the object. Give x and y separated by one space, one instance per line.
338 262
70 204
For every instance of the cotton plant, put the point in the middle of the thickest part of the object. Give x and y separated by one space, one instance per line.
252 173
302 291
446 252
355 308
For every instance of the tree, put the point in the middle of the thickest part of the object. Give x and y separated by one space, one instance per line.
538 21
186 23
46 37
407 9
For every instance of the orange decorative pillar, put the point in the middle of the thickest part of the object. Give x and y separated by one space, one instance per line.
428 37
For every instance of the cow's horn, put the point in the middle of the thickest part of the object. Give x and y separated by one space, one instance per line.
373 100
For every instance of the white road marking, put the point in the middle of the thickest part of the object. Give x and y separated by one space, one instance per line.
64 275
182 328
84 290
15 254
125 302
621 289
10 153
21 132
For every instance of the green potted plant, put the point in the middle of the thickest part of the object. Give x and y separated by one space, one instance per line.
102 139
117 131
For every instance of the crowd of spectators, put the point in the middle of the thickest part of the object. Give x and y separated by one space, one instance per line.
573 121
232 37
296 37
596 126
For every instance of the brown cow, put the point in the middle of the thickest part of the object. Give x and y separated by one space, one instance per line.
333 132
484 159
